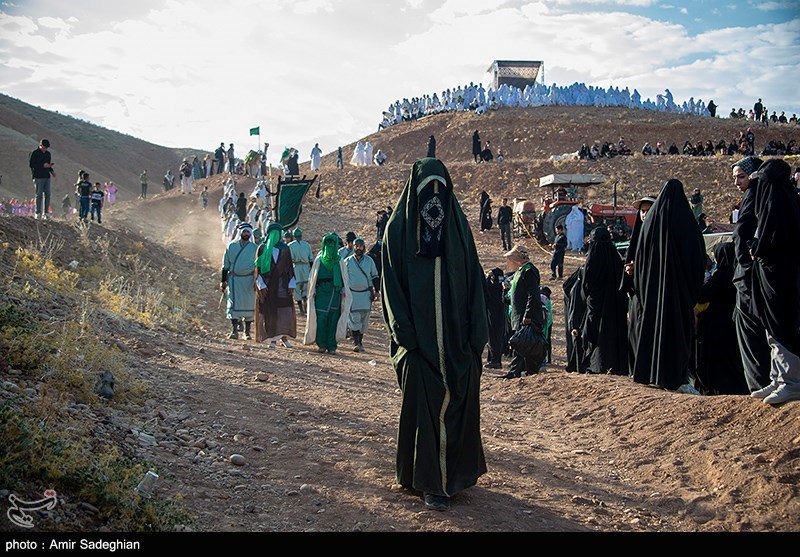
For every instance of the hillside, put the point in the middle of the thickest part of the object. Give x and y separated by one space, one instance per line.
75 145
565 452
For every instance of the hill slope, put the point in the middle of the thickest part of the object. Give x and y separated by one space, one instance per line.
75 145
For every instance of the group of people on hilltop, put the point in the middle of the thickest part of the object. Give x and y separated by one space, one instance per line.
363 155
759 113
743 144
478 99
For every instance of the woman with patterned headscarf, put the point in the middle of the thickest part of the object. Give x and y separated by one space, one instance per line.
275 317
328 298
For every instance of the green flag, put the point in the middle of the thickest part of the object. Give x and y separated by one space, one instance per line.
289 202
255 131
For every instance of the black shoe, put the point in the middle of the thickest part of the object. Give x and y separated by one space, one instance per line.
510 375
529 373
437 502
492 365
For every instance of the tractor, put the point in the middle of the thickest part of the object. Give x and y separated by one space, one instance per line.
566 191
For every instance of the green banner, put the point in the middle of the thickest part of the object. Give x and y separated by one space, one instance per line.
255 131
289 201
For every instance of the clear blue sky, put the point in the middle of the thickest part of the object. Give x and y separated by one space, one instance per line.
194 73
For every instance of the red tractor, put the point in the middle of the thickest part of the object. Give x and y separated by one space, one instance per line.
566 191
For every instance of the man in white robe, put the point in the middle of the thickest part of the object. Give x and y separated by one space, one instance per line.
316 154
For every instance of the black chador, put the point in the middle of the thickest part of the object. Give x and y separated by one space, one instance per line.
751 335
574 308
719 365
603 329
667 276
497 313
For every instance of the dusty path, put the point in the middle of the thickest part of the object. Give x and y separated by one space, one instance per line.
565 452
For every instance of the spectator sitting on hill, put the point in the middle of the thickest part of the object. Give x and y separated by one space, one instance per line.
647 150
673 149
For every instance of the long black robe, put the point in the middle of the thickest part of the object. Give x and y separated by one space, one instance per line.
719 368
434 308
486 211
574 308
750 333
604 329
496 310
776 252
626 286
668 274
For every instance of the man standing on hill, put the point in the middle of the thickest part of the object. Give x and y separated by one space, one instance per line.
219 155
504 222
41 171
231 160
316 154
758 108
143 181
84 191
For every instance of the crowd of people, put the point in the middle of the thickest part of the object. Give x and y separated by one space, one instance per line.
743 144
759 113
478 99
334 290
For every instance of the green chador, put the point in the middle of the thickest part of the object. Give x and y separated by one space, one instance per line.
434 308
328 298
239 263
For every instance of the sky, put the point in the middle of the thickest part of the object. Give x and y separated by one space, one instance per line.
194 73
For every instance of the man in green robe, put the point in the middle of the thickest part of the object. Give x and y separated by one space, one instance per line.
434 308
302 259
362 272
237 279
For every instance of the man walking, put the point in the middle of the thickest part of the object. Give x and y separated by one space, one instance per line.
302 259
504 222
347 250
526 307
42 170
238 266
362 273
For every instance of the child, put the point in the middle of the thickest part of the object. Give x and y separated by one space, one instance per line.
83 189
547 304
559 249
97 197
204 197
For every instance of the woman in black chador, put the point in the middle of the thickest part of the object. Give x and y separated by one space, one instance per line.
486 211
667 277
603 330
719 366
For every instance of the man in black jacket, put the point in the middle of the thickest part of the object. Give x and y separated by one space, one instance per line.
750 332
41 171
504 215
526 307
